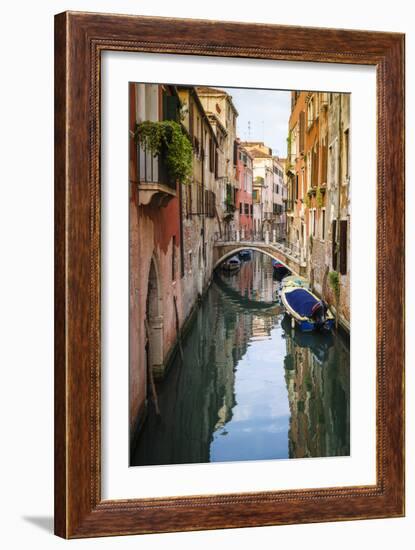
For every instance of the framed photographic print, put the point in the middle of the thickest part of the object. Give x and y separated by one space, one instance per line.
229 281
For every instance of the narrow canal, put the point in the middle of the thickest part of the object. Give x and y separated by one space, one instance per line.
250 387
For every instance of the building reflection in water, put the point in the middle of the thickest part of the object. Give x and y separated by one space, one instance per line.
249 387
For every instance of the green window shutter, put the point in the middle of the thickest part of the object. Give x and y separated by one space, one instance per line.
170 107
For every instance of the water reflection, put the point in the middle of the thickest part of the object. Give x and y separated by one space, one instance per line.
250 387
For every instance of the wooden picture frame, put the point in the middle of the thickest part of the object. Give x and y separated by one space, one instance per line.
79 40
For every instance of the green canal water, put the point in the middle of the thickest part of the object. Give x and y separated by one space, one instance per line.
250 387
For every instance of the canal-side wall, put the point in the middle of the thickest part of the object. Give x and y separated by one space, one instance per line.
171 242
154 283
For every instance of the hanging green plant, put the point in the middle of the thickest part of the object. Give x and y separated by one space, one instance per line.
166 138
319 197
334 282
307 200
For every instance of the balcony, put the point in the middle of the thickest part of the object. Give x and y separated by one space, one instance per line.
155 186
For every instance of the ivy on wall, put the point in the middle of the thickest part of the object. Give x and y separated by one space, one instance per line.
166 138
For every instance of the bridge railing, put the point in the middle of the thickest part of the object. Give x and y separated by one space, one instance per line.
266 238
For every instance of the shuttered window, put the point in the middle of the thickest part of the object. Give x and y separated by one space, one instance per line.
235 153
333 244
323 178
170 107
191 122
210 200
302 131
211 155
343 247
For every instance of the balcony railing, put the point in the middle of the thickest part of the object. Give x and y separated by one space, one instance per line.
153 170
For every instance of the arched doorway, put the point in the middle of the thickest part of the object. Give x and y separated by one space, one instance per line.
154 323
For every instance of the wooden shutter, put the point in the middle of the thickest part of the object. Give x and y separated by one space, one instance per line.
323 178
235 153
343 247
170 107
191 122
333 244
302 131
317 180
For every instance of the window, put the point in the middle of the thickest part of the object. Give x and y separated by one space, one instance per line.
252 208
343 247
313 222
314 165
188 200
240 207
246 209
330 168
310 112
323 224
346 154
302 184
210 200
334 244
302 132
211 155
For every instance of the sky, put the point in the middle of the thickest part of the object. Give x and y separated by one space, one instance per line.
268 112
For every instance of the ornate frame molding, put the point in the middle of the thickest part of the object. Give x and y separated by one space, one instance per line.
79 40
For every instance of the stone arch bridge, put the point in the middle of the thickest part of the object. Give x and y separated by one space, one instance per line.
291 259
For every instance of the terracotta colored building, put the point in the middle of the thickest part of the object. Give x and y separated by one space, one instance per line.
172 228
155 213
318 206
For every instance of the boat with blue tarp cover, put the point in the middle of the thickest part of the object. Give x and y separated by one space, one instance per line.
306 309
245 255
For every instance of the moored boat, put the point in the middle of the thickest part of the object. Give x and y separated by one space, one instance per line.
295 280
245 255
280 269
232 264
306 309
